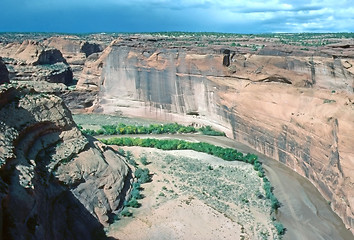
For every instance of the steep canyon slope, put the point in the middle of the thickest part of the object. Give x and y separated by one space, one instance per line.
55 183
291 103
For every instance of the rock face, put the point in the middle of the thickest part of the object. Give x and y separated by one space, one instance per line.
294 106
31 61
74 50
4 73
55 183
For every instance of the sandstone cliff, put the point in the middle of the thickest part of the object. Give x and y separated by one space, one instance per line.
74 50
32 61
293 105
55 183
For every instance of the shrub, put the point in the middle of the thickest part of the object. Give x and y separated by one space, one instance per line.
143 160
136 194
142 175
121 152
137 185
130 159
280 228
126 213
153 128
132 203
211 132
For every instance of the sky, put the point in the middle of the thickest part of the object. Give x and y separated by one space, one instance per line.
231 16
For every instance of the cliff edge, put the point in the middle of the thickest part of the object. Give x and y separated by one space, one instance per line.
55 183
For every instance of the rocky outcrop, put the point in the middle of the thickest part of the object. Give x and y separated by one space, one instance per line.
4 73
75 50
30 60
55 183
32 53
294 106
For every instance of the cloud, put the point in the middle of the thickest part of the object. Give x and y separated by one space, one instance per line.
241 16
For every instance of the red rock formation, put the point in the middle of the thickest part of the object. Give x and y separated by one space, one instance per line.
31 61
74 50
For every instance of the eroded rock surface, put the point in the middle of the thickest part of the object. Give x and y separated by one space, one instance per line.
75 50
55 183
30 60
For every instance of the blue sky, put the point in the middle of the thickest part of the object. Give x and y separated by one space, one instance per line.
237 16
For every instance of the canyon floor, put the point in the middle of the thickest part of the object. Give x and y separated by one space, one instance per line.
197 196
169 212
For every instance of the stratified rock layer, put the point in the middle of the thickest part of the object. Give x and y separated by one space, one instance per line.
31 61
294 106
55 183
74 50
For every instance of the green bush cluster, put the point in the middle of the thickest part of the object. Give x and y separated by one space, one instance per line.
143 160
280 228
122 129
126 213
227 154
129 157
172 128
143 176
211 132
275 204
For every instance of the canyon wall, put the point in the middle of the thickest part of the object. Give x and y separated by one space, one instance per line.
55 183
32 61
295 106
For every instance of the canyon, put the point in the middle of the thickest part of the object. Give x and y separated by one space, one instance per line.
292 102
295 106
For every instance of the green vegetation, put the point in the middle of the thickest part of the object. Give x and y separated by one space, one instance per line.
132 203
126 213
211 132
329 101
227 154
122 129
172 128
143 160
280 228
143 175
130 159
